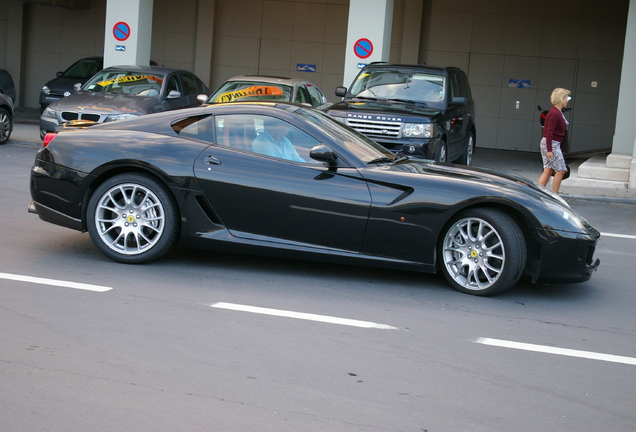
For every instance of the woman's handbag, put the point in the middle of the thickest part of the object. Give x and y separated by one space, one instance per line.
567 173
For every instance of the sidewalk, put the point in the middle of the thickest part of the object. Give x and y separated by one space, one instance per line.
26 131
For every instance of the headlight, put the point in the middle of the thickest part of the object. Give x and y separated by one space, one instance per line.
567 214
114 117
417 130
46 90
50 113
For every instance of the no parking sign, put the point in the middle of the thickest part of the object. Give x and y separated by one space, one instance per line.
363 48
121 31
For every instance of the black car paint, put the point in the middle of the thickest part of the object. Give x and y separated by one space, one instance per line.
389 215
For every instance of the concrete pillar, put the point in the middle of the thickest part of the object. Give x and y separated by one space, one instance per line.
624 142
368 35
204 46
16 44
411 32
128 33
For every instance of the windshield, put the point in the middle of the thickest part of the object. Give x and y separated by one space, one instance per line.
251 91
362 147
83 69
400 85
132 83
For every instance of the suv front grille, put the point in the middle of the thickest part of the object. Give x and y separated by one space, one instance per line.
376 127
70 115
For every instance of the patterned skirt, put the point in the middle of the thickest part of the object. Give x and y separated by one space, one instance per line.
557 163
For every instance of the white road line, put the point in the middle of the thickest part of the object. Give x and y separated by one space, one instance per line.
303 316
625 236
53 282
554 350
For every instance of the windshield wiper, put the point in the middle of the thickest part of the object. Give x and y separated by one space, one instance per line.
422 104
383 159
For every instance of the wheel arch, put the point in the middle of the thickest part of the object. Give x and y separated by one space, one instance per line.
522 219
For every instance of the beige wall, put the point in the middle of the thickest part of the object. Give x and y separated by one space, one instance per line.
563 43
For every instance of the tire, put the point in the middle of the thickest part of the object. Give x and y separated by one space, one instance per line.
467 157
442 153
482 252
6 125
132 219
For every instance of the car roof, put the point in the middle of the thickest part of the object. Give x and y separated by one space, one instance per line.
143 68
419 67
268 79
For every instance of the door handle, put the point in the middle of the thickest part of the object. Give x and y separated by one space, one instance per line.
211 160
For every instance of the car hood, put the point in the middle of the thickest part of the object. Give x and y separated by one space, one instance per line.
62 84
384 108
105 102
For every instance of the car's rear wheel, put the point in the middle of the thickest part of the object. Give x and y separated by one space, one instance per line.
467 157
6 125
482 252
132 219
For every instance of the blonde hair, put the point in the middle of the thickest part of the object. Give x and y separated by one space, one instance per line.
558 94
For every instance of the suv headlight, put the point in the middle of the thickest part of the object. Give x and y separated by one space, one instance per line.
418 130
114 117
46 90
50 113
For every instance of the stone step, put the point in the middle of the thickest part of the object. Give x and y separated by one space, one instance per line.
596 168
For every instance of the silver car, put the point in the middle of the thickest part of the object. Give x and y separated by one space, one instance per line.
121 92
244 88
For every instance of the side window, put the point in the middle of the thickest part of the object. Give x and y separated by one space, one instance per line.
174 84
317 98
189 85
454 86
197 127
302 96
265 135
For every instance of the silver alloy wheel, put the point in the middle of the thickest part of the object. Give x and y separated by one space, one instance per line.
470 148
129 218
5 126
442 152
473 253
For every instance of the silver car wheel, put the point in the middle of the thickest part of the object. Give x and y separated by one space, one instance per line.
5 125
474 253
470 148
129 218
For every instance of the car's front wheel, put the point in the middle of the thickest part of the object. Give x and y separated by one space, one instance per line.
6 125
442 152
132 218
482 252
467 157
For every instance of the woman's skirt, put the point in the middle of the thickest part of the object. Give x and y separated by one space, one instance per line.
557 163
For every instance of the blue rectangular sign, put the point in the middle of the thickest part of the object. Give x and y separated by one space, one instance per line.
519 83
120 47
304 67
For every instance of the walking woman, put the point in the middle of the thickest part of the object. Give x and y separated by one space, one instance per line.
553 135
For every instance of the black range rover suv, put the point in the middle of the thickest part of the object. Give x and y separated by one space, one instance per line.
416 110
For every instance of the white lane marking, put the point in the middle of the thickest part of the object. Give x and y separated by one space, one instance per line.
554 350
53 282
303 316
625 236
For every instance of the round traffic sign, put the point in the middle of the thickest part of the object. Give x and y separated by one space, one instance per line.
121 31
363 48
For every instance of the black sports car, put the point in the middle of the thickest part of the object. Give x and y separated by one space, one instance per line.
287 180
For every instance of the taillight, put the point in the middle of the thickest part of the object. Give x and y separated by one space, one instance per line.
48 138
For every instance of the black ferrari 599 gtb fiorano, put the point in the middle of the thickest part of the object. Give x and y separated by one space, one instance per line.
287 180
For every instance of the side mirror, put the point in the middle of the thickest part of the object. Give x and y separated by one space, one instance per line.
59 74
323 153
203 98
77 86
174 94
341 91
458 100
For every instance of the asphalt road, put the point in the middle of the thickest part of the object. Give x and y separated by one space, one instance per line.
178 346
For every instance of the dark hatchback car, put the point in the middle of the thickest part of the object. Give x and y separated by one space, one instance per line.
7 87
416 110
121 92
288 180
63 84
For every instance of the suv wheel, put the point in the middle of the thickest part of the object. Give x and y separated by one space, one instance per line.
467 157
